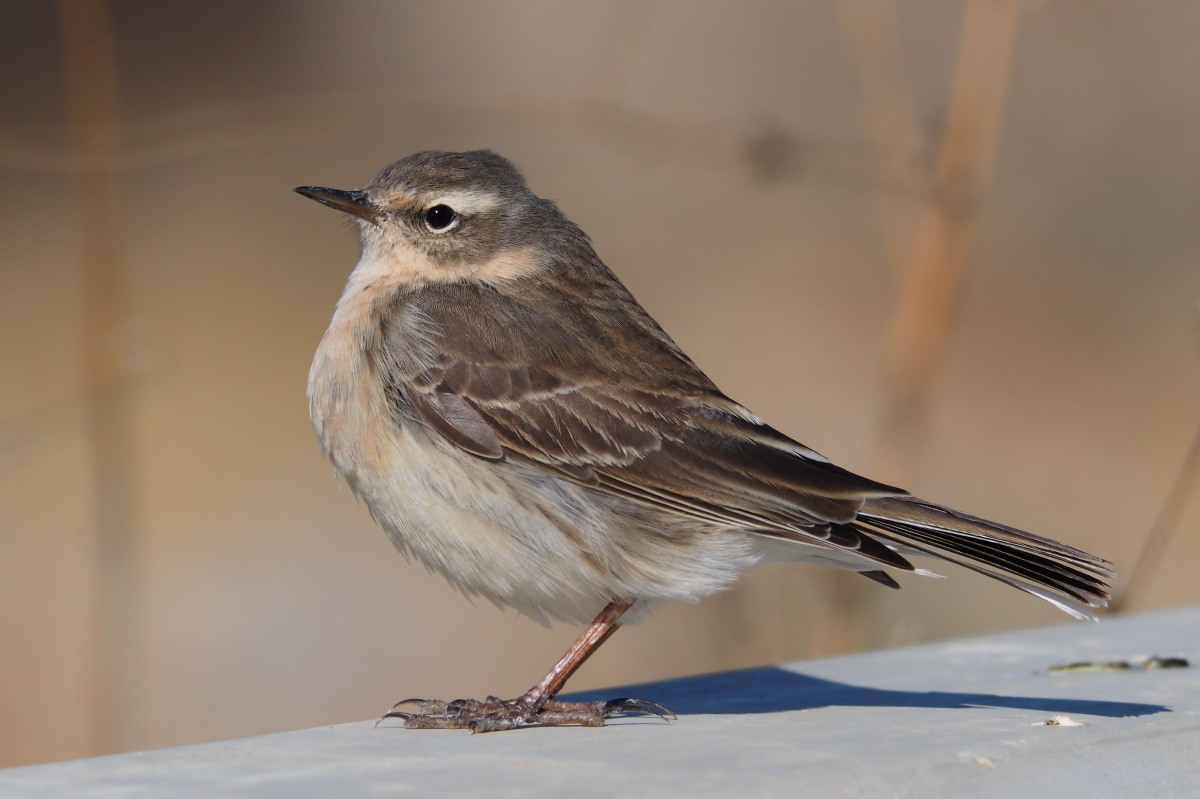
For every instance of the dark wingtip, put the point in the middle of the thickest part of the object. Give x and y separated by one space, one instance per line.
881 577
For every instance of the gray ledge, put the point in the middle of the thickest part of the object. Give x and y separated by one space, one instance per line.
960 718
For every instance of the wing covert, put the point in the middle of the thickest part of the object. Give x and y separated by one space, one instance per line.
641 421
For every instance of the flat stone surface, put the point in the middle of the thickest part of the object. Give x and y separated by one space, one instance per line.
959 718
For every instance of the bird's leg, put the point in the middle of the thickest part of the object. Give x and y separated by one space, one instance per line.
537 705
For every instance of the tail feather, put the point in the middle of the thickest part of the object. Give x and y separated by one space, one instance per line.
881 577
1067 577
1032 567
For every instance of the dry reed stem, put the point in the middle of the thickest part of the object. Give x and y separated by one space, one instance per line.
1165 526
91 88
946 232
940 252
871 32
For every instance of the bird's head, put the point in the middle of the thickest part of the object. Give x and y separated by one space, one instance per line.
445 217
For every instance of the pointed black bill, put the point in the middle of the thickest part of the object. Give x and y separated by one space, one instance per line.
354 203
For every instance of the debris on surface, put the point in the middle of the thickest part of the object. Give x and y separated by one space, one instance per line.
1059 720
979 760
1133 664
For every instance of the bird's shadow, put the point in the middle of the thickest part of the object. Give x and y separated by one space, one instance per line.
774 690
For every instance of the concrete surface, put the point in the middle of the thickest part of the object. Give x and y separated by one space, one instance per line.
960 718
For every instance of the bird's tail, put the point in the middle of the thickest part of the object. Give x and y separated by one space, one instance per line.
1068 578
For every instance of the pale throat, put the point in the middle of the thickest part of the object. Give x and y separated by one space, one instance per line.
387 263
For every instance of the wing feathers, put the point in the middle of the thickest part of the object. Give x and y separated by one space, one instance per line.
881 577
451 416
534 376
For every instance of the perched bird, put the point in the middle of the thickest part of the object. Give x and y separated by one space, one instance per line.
517 422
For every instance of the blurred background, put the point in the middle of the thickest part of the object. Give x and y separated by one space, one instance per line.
947 243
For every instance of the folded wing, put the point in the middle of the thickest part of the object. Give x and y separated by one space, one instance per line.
634 417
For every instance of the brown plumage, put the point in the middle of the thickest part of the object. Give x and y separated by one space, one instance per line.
515 420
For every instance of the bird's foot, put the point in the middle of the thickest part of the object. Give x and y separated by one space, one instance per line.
493 714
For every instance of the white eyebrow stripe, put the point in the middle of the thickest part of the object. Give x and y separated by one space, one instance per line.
467 201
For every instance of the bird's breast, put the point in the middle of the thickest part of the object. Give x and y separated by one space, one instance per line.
509 531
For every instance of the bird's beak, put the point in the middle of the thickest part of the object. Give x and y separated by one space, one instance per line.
350 202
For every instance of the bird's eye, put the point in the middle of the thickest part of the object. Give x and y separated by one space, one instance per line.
440 218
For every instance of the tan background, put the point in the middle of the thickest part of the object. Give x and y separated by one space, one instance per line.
716 153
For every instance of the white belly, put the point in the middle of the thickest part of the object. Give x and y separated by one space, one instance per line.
503 530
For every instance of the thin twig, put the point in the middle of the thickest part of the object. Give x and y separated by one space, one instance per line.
871 31
90 71
947 230
940 252
1163 531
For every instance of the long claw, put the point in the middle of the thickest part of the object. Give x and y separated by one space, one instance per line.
630 705
392 714
425 705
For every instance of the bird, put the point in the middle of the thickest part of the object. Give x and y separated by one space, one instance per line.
516 421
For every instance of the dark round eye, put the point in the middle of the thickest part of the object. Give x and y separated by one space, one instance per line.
440 217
